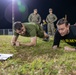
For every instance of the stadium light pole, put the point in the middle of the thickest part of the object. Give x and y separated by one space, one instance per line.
12 14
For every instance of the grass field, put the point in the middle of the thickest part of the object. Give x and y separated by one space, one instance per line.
38 60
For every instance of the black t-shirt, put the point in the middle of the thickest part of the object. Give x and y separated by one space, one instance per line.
69 38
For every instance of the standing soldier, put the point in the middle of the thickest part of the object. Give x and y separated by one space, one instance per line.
50 19
34 17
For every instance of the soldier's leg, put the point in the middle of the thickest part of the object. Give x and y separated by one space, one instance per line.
49 29
52 28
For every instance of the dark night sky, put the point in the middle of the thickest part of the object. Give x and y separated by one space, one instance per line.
60 8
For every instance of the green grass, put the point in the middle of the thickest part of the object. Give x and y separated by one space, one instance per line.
38 60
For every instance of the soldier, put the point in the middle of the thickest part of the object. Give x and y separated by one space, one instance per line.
31 30
66 33
34 17
50 19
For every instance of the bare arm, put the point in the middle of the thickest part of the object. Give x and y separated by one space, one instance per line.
32 43
14 40
67 48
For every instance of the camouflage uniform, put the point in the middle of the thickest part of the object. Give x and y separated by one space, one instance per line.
50 19
34 18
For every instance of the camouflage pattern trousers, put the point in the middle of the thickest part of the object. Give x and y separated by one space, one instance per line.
50 28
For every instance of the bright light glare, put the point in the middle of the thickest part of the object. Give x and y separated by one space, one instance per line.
13 0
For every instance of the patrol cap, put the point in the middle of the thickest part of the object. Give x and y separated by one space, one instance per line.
50 9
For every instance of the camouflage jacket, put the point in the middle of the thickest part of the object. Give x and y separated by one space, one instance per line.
34 18
51 18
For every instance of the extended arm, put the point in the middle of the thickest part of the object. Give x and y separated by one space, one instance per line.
31 43
14 40
57 39
67 48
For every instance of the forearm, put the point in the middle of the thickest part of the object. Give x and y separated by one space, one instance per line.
14 40
16 43
27 44
69 48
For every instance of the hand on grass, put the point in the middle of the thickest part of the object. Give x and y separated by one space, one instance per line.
66 48
55 47
17 43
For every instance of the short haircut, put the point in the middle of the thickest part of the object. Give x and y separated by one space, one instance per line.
50 9
35 9
62 21
17 25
